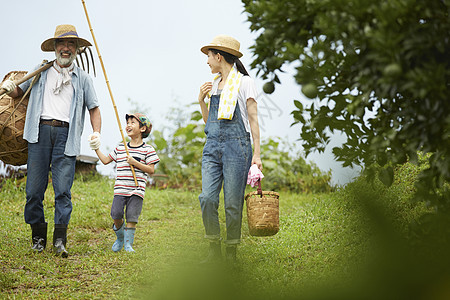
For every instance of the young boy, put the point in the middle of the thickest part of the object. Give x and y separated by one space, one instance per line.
126 194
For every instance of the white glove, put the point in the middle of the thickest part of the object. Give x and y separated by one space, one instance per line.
94 140
9 86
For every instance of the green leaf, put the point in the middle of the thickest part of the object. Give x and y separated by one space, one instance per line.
196 115
298 104
386 176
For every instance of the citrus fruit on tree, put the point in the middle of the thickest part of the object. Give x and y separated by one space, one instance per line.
309 90
269 87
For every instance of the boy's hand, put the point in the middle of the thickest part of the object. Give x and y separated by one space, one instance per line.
131 160
94 140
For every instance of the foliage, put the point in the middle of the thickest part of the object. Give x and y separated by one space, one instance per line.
180 148
409 177
395 202
407 240
378 70
288 172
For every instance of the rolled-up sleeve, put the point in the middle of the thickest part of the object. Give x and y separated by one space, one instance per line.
90 97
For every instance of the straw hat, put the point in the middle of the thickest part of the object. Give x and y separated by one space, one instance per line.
63 32
225 43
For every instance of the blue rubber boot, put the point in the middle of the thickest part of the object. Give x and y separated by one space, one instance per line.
129 239
118 244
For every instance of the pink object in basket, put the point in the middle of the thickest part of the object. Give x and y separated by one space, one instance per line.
254 174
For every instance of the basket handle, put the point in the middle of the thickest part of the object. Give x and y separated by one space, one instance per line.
259 190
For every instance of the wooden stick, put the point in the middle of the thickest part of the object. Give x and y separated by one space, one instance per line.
109 87
29 75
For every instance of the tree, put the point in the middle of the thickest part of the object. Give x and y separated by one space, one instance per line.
376 70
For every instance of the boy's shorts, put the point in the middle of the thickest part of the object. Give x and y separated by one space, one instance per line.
132 205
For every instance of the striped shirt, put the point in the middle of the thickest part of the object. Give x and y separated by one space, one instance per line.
125 185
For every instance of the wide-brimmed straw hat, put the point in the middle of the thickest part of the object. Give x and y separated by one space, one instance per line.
225 43
63 32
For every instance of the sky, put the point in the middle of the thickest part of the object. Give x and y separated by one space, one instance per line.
151 53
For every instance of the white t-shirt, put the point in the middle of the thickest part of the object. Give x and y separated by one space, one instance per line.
56 106
246 90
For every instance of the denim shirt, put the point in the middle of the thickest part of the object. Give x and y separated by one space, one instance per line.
84 96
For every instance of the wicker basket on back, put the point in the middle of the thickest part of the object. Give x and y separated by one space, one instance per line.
13 148
262 212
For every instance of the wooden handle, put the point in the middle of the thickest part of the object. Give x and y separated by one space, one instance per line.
259 190
30 75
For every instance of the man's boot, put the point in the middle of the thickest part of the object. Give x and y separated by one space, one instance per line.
39 236
214 253
60 240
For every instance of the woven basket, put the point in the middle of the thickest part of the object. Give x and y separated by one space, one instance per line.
13 148
262 212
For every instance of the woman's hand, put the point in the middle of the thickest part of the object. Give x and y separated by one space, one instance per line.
204 90
256 160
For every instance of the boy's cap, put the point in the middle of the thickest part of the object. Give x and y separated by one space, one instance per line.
142 119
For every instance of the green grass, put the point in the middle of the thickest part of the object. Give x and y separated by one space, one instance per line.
325 244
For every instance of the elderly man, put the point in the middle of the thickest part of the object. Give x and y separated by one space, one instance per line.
53 128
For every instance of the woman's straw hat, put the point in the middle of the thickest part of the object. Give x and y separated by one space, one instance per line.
225 43
63 32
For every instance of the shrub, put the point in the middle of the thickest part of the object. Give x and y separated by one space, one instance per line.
286 171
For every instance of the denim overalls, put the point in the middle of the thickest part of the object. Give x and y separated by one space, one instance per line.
226 159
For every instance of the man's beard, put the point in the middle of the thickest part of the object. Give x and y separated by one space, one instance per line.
65 62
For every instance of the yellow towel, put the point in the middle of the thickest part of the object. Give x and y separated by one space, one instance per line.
229 95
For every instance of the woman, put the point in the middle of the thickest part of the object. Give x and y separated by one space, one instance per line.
230 117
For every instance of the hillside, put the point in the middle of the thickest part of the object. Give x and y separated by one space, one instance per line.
333 245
